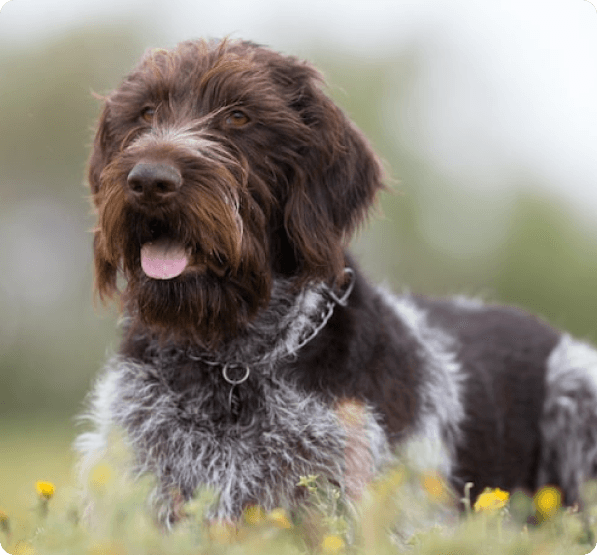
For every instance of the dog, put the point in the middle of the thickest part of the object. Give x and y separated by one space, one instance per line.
254 352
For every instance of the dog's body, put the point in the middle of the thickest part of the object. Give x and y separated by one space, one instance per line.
254 351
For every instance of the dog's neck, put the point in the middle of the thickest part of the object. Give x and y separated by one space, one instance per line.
290 321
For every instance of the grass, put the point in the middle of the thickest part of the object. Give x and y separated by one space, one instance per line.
394 516
30 450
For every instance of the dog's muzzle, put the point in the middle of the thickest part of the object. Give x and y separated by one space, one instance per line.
151 184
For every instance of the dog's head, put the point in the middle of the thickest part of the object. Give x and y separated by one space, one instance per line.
216 167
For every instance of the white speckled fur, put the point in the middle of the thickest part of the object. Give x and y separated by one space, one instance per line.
292 434
433 440
569 422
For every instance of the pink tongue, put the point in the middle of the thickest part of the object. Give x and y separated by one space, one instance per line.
163 259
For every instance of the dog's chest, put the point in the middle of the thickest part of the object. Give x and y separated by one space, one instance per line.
251 441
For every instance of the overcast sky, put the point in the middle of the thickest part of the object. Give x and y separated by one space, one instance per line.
503 84
535 59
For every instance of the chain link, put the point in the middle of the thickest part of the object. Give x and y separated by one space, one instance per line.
326 315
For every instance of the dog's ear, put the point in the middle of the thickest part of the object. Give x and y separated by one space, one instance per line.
105 267
335 180
100 152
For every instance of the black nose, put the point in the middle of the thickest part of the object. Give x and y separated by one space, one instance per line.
154 181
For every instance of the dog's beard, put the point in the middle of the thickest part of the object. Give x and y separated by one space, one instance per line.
219 274
186 288
197 306
197 267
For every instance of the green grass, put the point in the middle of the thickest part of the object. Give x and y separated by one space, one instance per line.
32 450
400 500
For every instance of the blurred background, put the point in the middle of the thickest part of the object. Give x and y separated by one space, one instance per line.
484 113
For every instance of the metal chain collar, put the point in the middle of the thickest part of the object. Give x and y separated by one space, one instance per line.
331 303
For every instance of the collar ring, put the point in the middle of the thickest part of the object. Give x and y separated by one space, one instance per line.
232 381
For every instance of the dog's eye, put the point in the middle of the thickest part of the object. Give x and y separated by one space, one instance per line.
237 119
147 114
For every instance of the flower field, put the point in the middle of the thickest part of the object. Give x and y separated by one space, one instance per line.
401 512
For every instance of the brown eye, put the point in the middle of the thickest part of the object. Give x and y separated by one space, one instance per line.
147 114
237 119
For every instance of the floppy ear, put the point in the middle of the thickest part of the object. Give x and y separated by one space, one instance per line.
335 182
105 267
100 153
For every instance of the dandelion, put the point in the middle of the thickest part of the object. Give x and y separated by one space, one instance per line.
23 548
548 501
222 532
434 486
45 490
280 518
332 544
254 515
491 500
389 482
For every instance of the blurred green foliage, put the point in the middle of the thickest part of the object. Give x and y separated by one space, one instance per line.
545 260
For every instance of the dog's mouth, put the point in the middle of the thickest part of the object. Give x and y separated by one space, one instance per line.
162 255
164 258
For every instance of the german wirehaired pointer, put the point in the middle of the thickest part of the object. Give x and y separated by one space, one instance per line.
254 352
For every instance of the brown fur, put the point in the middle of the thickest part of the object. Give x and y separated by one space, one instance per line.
233 153
299 173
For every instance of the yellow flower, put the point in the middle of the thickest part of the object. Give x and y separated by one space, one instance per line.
279 518
23 548
332 544
254 515
491 500
222 532
389 481
45 489
434 486
548 501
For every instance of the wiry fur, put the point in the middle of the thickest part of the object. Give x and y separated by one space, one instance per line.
252 442
260 363
569 420
268 176
436 428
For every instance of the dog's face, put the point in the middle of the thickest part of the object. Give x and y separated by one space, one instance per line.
217 167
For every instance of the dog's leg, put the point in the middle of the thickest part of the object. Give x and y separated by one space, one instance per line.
358 458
